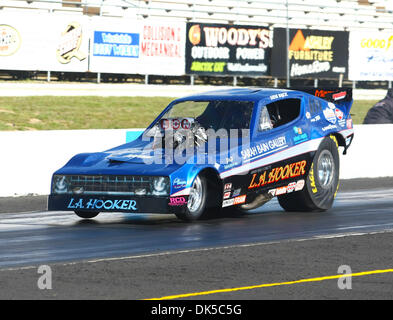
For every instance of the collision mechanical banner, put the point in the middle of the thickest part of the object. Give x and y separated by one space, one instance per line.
135 47
221 49
312 53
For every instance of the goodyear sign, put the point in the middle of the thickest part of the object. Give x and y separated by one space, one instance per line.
312 53
371 55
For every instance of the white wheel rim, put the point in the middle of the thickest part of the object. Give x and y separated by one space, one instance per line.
325 169
195 197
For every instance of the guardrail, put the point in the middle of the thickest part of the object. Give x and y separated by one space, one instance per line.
29 158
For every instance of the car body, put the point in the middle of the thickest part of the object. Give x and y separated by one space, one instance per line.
278 133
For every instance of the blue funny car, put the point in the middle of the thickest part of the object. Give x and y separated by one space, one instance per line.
231 149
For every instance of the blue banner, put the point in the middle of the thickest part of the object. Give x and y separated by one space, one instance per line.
116 44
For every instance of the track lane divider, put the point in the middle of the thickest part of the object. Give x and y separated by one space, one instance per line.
267 285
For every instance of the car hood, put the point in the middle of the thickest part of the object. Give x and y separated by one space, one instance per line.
139 158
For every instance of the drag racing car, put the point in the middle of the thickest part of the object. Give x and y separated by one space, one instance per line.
232 149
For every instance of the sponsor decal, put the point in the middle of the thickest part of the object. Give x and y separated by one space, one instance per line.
339 114
339 95
234 201
291 187
300 136
227 195
164 124
330 115
308 115
116 44
70 43
10 40
236 192
322 93
239 199
349 123
227 203
175 124
312 179
281 190
265 147
185 124
329 127
278 96
299 185
93 204
316 118
177 201
331 105
179 183
277 174
228 186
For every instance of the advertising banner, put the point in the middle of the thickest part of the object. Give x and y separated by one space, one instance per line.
43 42
221 49
137 47
312 53
370 55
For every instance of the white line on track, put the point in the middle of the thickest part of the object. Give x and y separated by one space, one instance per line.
169 253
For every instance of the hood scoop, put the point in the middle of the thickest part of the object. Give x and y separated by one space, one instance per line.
132 156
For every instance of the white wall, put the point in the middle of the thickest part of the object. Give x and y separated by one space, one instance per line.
28 158
370 154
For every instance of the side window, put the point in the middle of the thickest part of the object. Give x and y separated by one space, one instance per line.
283 111
278 113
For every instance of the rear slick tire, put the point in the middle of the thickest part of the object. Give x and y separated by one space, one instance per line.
321 184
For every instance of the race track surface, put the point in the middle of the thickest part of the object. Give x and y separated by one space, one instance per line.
118 256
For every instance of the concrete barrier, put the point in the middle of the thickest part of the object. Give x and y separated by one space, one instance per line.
371 153
28 158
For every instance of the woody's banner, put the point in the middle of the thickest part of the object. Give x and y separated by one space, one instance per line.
312 53
221 49
370 55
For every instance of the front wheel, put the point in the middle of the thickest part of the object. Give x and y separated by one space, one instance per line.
322 181
86 214
196 203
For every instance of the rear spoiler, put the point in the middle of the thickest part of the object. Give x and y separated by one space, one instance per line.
341 97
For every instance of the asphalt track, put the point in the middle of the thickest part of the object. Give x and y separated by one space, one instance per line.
266 254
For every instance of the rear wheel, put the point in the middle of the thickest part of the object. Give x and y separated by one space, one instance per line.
321 183
196 203
86 214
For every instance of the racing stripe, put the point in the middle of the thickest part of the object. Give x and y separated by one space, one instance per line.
346 133
305 147
184 192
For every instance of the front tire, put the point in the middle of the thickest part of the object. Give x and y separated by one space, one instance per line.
197 199
86 214
321 183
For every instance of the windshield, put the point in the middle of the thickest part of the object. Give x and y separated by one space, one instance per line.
214 114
